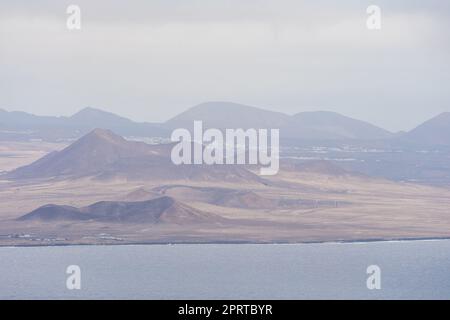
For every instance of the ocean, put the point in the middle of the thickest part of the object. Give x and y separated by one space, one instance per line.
406 270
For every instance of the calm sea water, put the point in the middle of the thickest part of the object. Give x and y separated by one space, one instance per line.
409 269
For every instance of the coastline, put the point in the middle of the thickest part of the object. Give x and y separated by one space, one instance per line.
165 243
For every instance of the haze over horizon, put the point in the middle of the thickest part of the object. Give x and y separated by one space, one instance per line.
153 60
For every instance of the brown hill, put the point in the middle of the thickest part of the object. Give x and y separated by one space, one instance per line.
161 210
224 197
140 194
105 155
242 199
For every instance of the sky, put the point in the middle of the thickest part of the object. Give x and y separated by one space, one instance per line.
150 60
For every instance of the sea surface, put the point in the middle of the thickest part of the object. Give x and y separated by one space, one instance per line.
408 270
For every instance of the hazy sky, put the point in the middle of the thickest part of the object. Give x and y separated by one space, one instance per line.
149 60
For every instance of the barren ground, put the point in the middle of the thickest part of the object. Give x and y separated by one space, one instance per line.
365 209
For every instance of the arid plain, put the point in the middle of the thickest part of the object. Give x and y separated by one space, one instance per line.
65 180
316 201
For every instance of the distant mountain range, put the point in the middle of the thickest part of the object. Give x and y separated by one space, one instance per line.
309 126
435 131
321 125
17 125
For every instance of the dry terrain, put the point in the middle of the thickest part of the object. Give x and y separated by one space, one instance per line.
16 154
300 204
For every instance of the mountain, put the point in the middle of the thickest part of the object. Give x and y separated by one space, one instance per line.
87 156
435 131
160 210
95 117
17 125
231 115
26 120
104 155
90 118
321 125
326 125
24 126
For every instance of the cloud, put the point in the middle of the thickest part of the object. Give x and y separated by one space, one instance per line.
152 59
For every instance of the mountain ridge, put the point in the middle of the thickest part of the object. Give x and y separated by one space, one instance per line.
309 125
435 131
18 125
159 210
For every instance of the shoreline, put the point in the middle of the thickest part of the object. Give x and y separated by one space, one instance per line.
167 243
